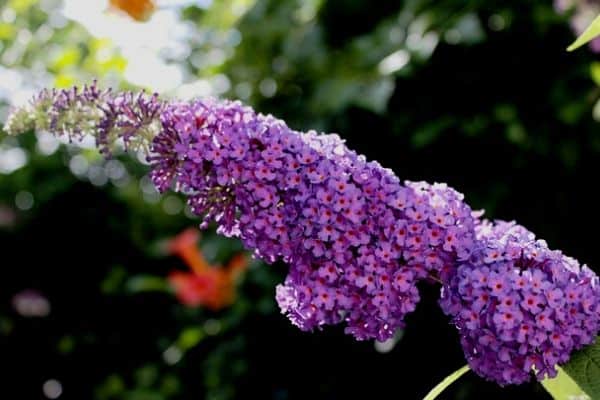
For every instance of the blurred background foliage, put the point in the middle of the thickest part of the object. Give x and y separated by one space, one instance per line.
479 94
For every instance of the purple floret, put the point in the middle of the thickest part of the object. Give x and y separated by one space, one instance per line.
519 306
355 238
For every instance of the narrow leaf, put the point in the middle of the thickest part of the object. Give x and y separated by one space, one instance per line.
445 383
563 387
584 368
146 283
595 72
590 33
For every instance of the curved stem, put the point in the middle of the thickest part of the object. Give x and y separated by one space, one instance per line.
445 383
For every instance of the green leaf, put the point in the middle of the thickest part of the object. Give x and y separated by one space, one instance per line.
584 368
445 383
189 338
374 96
146 283
563 387
430 132
595 72
590 33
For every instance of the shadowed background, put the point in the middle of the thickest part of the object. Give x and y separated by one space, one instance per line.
479 94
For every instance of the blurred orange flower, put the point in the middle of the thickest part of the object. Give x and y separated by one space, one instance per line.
140 10
207 285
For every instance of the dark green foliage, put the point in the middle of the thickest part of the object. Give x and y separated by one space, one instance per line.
483 97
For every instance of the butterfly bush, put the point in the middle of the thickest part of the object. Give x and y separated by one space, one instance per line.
357 240
114 119
519 305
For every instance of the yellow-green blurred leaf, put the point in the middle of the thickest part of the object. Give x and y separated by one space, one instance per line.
595 72
70 56
563 387
66 344
112 387
590 33
7 31
189 338
146 283
104 58
226 13
436 391
64 80
584 369
21 5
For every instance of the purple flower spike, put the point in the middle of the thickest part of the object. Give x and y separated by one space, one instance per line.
520 307
113 119
356 240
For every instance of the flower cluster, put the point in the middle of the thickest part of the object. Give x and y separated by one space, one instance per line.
355 238
520 306
113 119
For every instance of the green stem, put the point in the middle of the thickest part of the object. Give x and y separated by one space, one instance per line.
446 382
